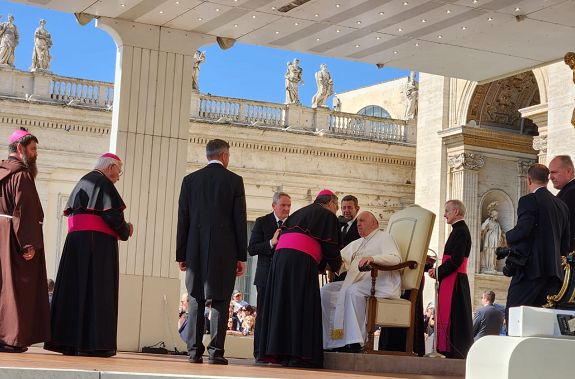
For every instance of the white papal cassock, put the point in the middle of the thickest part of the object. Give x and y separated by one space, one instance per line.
344 304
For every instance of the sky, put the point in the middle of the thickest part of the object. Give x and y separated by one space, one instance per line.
244 71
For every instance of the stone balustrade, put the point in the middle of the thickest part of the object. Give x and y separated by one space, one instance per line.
89 92
96 94
238 110
320 120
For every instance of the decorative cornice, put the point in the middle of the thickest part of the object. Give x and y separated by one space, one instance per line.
523 166
20 121
540 143
315 152
465 161
487 138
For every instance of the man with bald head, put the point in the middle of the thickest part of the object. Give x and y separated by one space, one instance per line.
344 303
561 174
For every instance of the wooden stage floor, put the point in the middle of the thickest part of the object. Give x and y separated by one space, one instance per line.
166 366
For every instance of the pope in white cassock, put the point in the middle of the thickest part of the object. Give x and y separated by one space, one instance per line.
344 304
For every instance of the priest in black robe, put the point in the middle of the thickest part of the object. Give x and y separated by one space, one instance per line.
454 325
291 333
85 301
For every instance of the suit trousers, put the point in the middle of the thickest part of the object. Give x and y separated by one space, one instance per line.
196 327
531 293
260 302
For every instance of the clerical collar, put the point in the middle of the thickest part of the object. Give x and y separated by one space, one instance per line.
215 161
456 222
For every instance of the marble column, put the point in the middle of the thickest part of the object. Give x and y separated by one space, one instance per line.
464 174
539 115
150 127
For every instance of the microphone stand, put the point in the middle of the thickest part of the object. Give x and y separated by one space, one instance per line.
434 353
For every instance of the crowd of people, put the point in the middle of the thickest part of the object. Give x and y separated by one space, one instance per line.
296 320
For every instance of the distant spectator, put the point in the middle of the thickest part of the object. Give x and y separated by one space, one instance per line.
488 320
50 290
184 303
248 326
208 315
233 316
237 300
231 329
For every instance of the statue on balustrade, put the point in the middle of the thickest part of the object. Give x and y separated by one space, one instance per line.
492 237
199 58
293 77
412 94
570 61
9 39
42 43
324 87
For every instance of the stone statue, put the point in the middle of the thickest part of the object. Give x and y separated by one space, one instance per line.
293 77
492 236
199 58
570 61
42 43
324 87
412 94
9 39
336 103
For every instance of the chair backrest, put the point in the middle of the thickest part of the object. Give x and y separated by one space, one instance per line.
412 227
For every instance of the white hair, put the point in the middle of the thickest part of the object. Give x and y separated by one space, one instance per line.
104 162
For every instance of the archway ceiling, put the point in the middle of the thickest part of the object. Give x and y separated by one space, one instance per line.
480 39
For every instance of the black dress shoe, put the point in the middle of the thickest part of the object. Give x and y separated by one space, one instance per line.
354 348
285 362
260 362
218 361
196 360
96 353
12 349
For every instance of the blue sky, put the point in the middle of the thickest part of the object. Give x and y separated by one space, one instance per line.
244 71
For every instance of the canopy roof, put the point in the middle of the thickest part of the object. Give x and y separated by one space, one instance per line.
478 40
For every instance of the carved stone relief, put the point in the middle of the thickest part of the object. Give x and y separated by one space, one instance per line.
498 103
465 161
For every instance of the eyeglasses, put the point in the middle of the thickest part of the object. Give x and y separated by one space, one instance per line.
120 171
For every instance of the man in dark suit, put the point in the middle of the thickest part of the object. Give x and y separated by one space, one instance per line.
561 174
454 319
211 246
488 320
349 233
541 235
263 241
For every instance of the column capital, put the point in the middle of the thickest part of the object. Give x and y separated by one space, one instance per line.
465 161
540 143
523 166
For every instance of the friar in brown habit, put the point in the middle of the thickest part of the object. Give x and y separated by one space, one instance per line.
24 309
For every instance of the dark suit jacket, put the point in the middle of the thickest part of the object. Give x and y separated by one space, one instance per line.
262 233
488 321
567 194
458 246
541 234
352 234
212 235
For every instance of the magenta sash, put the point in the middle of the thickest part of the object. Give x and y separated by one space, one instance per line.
443 324
301 242
83 222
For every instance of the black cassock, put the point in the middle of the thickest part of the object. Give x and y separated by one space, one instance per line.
291 322
85 301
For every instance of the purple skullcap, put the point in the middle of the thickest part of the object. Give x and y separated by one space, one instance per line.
326 192
17 135
113 156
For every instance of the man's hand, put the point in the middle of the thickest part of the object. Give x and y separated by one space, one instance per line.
275 237
431 273
364 262
182 265
241 268
131 228
29 255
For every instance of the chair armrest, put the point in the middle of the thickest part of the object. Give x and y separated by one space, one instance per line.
375 267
